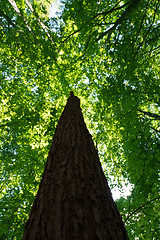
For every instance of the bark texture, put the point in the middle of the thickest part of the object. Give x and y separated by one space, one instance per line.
74 201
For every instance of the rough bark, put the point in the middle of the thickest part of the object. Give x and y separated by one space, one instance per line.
74 201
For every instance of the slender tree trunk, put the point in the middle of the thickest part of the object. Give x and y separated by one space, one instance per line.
74 201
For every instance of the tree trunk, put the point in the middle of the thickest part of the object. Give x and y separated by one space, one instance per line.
74 201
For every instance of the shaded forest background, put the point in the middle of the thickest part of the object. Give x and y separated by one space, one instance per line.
107 52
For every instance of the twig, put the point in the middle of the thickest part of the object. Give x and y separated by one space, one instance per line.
136 210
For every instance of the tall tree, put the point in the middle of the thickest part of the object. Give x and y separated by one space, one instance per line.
74 200
108 53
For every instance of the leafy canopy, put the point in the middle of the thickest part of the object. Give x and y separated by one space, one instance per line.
107 52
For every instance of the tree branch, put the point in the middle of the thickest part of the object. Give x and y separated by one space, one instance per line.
111 10
10 22
150 27
156 130
153 115
97 15
39 21
119 21
136 210
18 11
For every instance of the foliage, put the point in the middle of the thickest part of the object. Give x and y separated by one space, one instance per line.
107 52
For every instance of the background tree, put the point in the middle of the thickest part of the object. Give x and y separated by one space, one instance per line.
108 53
